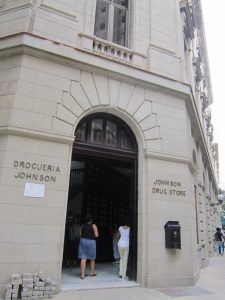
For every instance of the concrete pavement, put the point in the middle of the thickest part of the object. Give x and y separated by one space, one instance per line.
211 286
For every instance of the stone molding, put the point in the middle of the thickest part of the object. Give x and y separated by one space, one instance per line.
48 136
15 8
56 11
171 157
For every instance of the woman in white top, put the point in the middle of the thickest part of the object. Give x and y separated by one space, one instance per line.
123 246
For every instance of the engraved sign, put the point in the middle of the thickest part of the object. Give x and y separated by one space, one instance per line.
34 190
168 187
34 171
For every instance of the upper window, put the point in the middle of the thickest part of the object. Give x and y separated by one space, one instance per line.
111 20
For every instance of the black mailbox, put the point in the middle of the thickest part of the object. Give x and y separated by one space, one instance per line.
172 235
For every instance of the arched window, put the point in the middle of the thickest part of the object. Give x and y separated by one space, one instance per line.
107 131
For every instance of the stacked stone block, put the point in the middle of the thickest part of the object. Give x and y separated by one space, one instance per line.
30 286
12 288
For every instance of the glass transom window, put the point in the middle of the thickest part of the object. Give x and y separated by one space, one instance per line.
105 131
111 20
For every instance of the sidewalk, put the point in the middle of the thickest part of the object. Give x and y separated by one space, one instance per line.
211 286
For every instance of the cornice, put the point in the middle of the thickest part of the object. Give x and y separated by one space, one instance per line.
15 8
171 157
45 48
58 12
37 134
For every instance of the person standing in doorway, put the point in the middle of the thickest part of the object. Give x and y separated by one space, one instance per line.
123 246
116 254
87 246
74 236
67 242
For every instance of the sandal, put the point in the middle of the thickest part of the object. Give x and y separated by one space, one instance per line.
81 277
93 274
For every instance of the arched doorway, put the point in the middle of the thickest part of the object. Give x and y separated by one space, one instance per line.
103 180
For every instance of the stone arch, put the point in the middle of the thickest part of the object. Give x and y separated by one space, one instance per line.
93 92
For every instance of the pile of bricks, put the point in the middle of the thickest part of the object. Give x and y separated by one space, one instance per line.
30 286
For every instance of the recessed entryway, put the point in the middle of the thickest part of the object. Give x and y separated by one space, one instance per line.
103 181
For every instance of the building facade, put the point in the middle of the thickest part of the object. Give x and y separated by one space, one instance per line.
115 88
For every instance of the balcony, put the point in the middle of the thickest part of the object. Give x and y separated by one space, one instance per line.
204 100
207 116
210 132
111 51
197 68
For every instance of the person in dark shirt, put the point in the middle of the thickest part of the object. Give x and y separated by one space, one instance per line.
218 237
87 246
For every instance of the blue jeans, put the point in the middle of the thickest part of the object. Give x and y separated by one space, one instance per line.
219 247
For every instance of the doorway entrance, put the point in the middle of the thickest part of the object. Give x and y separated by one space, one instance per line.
103 181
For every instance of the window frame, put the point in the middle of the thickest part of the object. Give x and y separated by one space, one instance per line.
112 7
